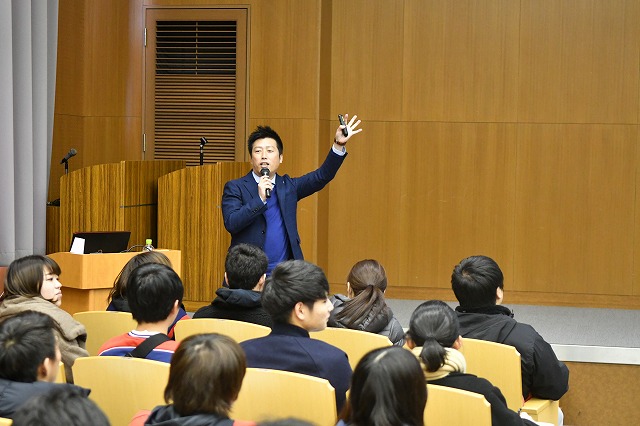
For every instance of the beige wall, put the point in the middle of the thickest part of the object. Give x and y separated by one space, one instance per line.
502 128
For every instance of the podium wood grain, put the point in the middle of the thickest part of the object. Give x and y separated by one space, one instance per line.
190 220
112 197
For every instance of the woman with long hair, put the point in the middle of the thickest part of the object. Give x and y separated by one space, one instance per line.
434 338
32 284
364 307
387 389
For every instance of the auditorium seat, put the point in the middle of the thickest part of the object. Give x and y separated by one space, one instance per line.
500 364
122 386
354 342
103 325
275 394
451 406
237 330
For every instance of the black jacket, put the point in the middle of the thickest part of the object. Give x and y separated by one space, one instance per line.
501 415
383 322
236 304
165 415
543 375
14 394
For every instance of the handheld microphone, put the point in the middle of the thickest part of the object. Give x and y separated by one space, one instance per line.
265 172
203 141
70 154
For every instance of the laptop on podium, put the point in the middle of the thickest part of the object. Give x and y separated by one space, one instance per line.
102 241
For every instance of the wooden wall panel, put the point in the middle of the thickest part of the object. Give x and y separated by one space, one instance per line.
460 60
601 394
71 57
98 140
114 39
579 61
449 195
575 208
285 50
636 233
98 84
366 68
364 204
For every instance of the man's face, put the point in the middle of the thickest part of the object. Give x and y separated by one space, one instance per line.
264 153
315 319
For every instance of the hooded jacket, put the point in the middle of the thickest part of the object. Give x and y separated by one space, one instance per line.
543 375
383 322
236 304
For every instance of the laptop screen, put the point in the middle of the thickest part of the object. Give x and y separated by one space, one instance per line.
103 241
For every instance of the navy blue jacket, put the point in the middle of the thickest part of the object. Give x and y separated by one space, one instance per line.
243 210
290 348
14 394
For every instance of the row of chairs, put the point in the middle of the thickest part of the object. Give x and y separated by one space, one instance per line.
122 386
482 357
102 325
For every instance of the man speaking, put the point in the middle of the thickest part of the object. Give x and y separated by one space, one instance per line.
261 207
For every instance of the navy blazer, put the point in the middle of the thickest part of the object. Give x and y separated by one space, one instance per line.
243 210
289 348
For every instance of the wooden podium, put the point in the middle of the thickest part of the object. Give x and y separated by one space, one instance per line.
87 278
112 197
190 220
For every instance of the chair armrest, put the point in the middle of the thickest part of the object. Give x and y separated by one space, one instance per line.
542 410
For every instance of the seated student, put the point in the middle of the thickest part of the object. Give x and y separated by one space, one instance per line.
61 406
379 374
296 298
364 307
434 338
204 380
118 295
478 284
245 274
32 284
29 360
154 292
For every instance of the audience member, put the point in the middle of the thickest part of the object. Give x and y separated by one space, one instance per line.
204 380
296 298
61 406
387 389
245 274
29 360
364 307
32 285
434 338
118 295
478 284
154 292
